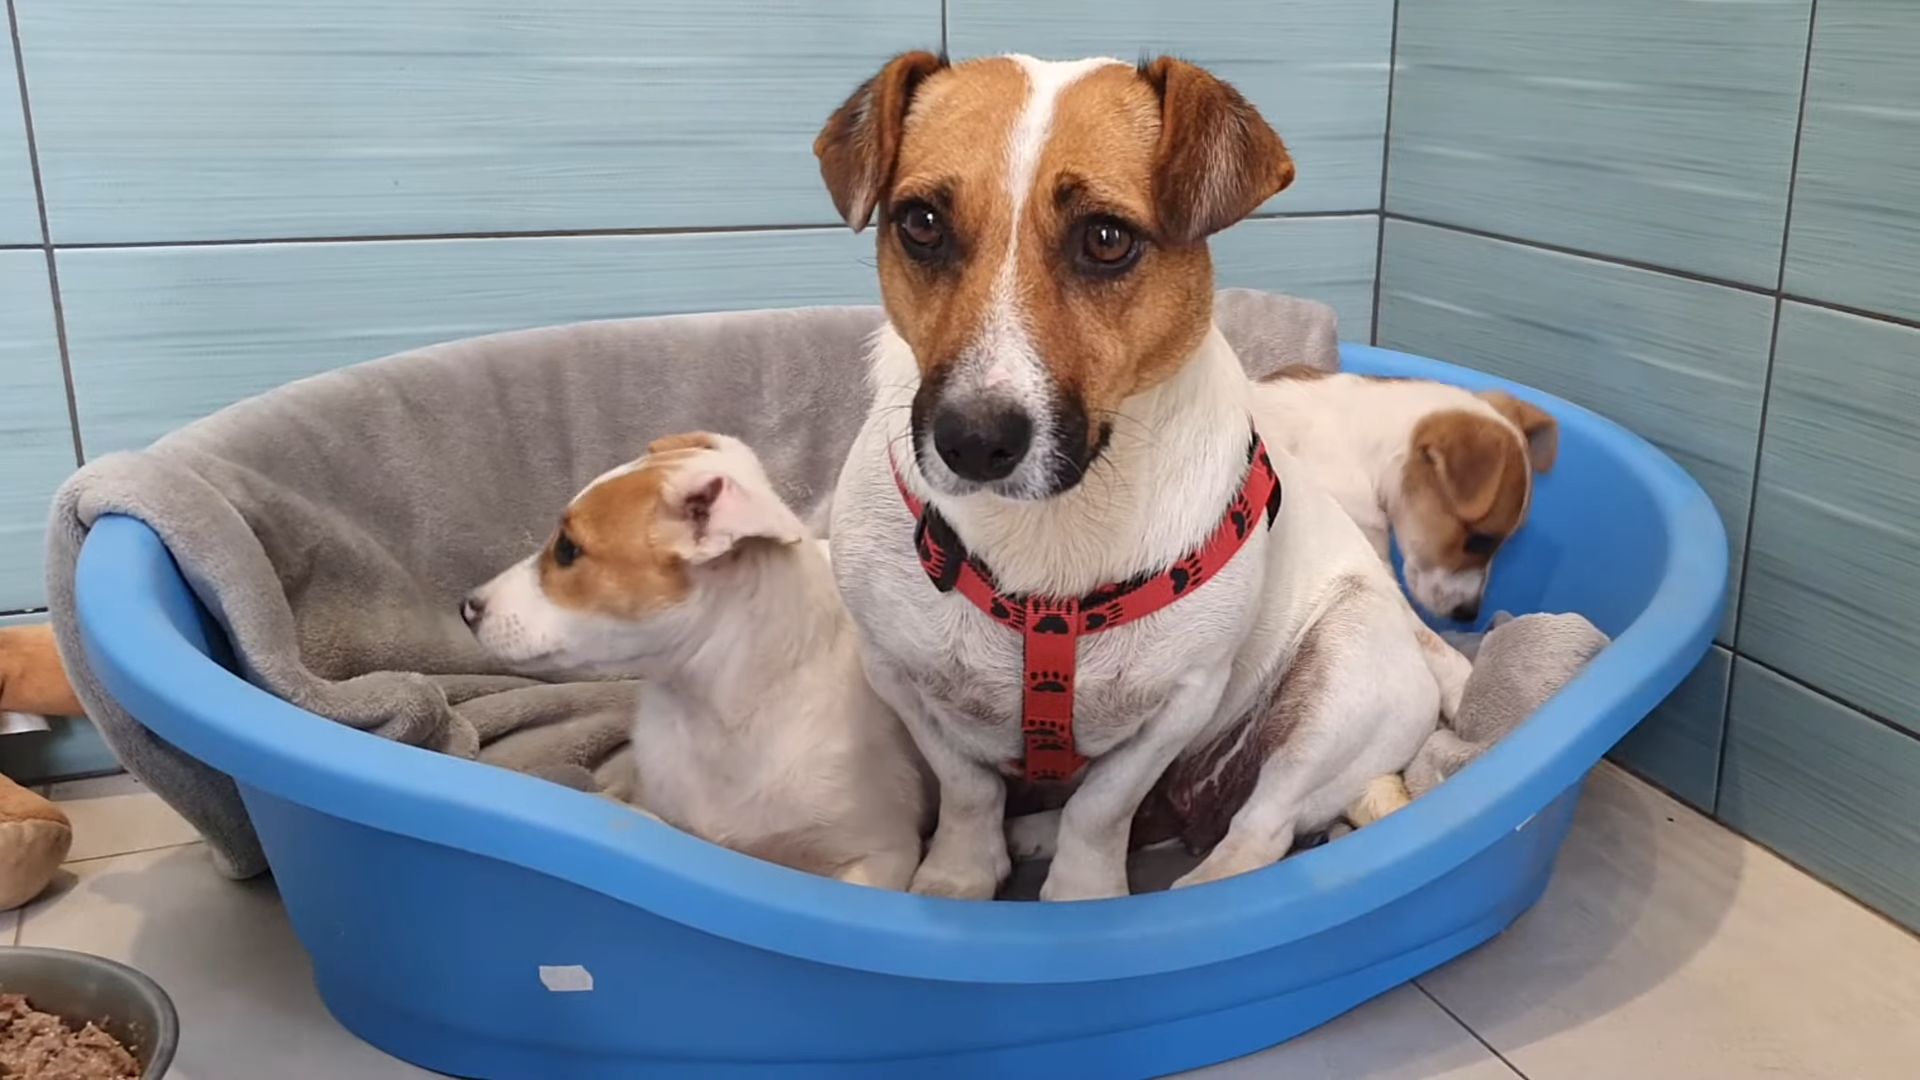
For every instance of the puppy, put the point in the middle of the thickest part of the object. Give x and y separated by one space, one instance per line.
1447 472
1069 558
756 729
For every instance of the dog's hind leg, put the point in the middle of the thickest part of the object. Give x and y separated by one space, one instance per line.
1450 667
891 869
1096 825
1354 705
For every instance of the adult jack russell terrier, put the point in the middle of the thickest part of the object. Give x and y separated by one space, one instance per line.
756 729
1066 552
1447 472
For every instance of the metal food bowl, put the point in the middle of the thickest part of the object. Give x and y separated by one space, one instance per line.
78 988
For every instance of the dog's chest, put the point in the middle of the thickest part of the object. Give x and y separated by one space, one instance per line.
970 670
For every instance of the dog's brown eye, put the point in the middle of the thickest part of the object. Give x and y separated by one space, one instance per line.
922 229
1107 247
1479 543
1108 242
565 551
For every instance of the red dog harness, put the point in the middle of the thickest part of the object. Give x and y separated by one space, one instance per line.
1051 626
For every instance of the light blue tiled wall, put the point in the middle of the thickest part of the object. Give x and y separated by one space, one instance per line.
36 443
19 217
1856 232
223 119
1651 130
239 194
1605 200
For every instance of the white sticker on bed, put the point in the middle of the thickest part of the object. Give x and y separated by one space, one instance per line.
566 978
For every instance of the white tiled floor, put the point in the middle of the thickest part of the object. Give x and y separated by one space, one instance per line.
1666 947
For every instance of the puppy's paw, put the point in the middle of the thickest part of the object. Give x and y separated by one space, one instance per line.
1033 836
1068 881
1384 795
954 881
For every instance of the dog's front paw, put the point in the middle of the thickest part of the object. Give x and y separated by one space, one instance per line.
955 881
1067 881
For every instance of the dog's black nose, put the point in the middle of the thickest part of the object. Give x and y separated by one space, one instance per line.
1465 612
471 609
982 443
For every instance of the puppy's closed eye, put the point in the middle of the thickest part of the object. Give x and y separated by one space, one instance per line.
565 551
1479 543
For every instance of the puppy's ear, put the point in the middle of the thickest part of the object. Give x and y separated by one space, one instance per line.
1217 161
858 146
721 513
1467 453
1542 431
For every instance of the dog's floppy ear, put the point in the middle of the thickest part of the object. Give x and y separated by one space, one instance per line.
1467 453
722 513
858 146
1218 159
1542 431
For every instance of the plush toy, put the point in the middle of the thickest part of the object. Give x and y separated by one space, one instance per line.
1517 666
34 834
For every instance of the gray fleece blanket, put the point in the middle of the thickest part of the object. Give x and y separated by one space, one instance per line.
331 526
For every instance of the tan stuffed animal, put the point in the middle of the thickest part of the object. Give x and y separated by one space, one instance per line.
34 834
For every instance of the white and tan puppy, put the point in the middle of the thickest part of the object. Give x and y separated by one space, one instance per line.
756 729
1447 472
1050 383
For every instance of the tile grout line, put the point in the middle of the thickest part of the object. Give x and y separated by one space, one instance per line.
1582 253
1746 538
1468 1028
943 29
135 851
46 233
1902 321
1714 821
1666 271
1386 153
1821 880
1766 399
567 234
1820 692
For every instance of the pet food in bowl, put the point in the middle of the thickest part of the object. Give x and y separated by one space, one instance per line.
72 1016
37 1045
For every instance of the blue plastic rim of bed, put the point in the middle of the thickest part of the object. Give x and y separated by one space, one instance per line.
483 923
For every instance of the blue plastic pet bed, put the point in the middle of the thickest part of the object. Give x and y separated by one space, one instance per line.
483 922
